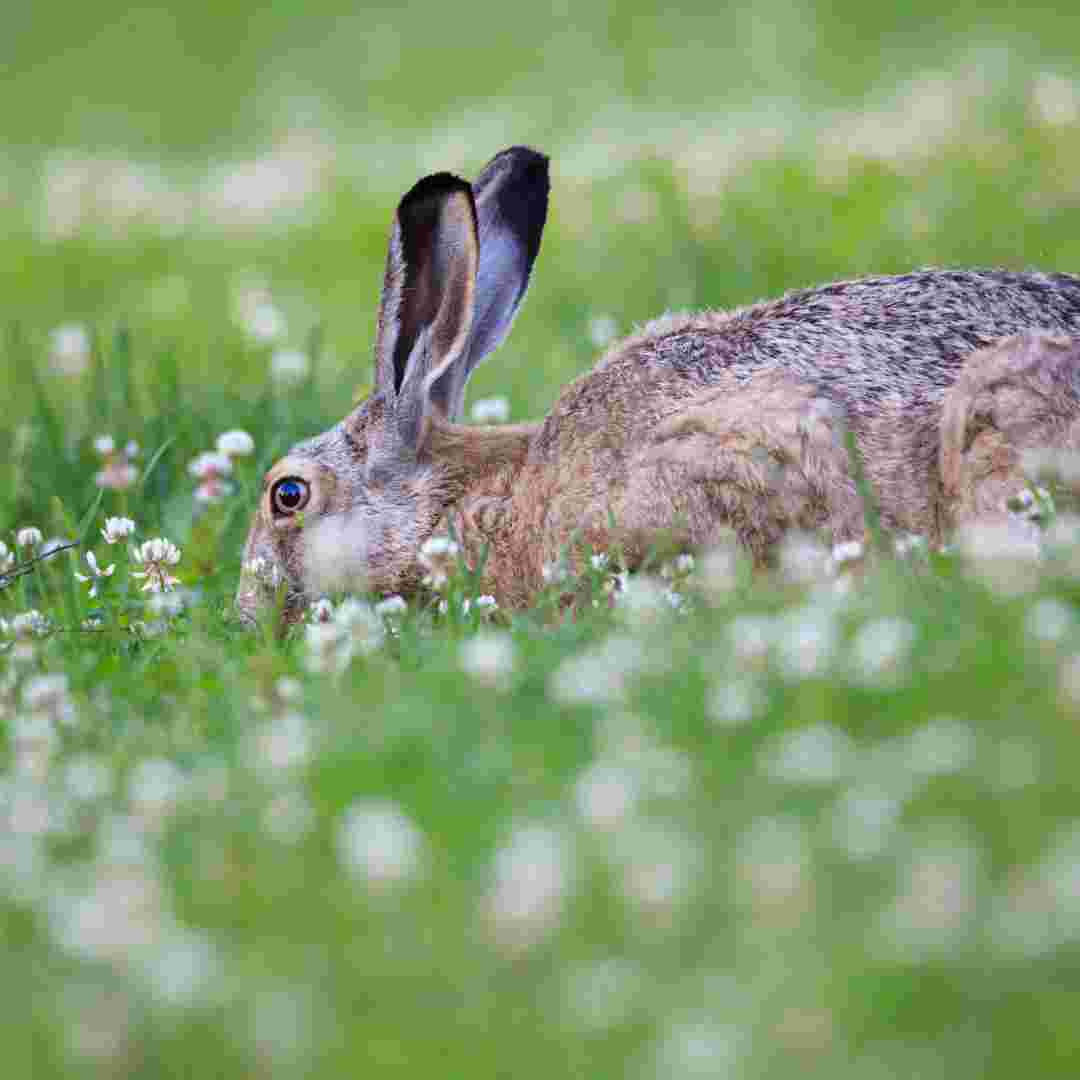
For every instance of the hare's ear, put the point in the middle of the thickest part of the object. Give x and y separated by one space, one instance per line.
427 302
511 197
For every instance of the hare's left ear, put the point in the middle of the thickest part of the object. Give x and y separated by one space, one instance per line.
427 303
511 197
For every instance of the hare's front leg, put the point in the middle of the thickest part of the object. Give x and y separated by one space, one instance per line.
761 457
1020 395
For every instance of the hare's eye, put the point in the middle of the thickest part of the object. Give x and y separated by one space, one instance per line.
289 495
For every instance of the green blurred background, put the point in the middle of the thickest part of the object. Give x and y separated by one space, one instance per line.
188 192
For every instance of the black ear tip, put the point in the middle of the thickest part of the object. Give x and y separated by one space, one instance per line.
434 188
529 167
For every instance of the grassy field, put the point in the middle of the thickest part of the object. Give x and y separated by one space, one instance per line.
820 823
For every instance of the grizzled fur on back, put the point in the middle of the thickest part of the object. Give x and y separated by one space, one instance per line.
869 340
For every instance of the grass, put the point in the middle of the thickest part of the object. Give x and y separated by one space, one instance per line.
793 828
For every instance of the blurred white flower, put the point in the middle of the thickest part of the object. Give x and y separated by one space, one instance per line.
210 468
803 559
936 899
29 536
119 471
289 817
736 701
156 556
154 789
600 675
257 314
29 624
289 366
235 443
820 754
493 410
379 843
805 641
391 607
489 658
96 573
603 330
699 1048
772 863
88 778
1049 620
280 746
117 529
531 877
659 866
606 795
644 600
1004 556
69 349
721 568
353 629
438 556
940 747
1055 100
7 558
864 820
880 651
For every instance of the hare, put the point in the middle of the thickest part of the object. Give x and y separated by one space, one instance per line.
694 426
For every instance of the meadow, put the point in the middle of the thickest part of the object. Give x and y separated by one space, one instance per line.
822 821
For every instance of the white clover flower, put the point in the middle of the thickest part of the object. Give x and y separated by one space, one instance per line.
644 600
354 628
606 795
736 702
603 330
803 559
391 607
772 862
531 878
601 996
235 443
289 366
438 556
380 843
600 675
119 472
30 536
69 349
805 642
936 901
29 624
7 558
600 561
489 658
96 573
210 465
865 819
848 551
154 789
1050 620
1055 100
659 865
88 778
48 695
941 746
279 746
117 529
1004 556
493 410
289 817
880 651
821 754
156 556
720 568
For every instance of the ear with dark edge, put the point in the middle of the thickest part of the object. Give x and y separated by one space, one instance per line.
427 302
511 207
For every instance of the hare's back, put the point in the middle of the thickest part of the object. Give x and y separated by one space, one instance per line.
873 339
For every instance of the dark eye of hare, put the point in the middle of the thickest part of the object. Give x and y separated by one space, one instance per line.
289 495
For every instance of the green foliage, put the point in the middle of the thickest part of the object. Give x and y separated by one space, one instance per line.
787 828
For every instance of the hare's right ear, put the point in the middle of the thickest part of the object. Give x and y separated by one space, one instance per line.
427 303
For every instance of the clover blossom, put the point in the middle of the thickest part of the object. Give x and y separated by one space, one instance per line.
156 556
211 468
119 471
96 573
117 529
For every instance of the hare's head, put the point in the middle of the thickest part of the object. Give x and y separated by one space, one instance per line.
351 507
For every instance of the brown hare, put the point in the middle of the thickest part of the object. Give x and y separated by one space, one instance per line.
696 425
